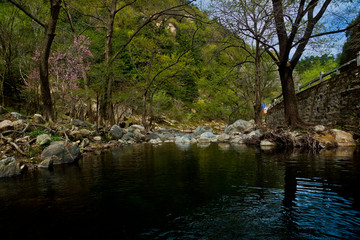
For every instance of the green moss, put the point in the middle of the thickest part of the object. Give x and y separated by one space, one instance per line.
36 133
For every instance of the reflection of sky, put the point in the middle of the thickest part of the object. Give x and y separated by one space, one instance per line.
335 217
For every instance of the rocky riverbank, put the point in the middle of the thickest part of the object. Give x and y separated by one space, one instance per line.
30 143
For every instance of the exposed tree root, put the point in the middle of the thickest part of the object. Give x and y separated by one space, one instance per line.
285 138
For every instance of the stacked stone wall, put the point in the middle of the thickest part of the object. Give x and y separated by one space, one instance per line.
335 102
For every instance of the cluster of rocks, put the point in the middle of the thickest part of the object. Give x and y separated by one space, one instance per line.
64 143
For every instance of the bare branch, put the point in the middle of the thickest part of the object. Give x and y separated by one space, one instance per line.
28 13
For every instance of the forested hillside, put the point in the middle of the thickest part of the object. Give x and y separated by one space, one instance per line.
110 60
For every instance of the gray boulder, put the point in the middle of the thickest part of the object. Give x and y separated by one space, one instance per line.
128 136
43 139
132 128
10 167
116 132
223 137
48 162
80 123
256 133
207 135
154 136
17 115
242 125
38 118
65 153
229 129
138 135
85 133
201 129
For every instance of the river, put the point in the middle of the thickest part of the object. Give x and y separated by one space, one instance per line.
170 191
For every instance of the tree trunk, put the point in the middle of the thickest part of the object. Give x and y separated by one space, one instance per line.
44 60
106 106
257 89
144 115
292 118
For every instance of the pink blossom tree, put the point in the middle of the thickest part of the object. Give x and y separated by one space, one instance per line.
66 68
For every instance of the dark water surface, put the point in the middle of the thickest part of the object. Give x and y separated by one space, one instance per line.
188 192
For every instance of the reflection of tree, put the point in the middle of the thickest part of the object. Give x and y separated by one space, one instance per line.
290 186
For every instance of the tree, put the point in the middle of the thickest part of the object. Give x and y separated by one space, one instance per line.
155 63
250 23
295 22
106 20
50 27
352 45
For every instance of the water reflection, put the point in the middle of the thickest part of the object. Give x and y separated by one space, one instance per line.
177 191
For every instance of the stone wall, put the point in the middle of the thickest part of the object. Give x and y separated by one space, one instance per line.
335 102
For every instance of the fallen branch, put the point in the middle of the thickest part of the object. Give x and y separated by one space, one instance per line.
26 128
9 140
39 125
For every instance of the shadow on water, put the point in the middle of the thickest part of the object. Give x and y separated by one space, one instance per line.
188 191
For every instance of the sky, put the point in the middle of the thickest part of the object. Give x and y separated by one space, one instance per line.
336 41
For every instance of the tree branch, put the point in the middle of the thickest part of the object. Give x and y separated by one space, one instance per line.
28 13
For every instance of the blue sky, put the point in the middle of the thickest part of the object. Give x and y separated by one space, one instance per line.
337 40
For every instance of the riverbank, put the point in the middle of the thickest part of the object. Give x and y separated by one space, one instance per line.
31 143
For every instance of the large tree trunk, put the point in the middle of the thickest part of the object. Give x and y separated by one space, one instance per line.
257 89
44 60
106 103
292 118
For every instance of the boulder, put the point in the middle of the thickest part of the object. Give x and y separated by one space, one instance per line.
267 143
49 162
3 110
6 125
229 129
116 132
138 135
10 167
80 123
17 115
85 133
18 124
319 128
154 136
155 141
202 129
128 136
85 142
223 137
326 140
38 118
66 153
97 138
343 139
256 133
75 135
207 135
132 128
43 139
243 126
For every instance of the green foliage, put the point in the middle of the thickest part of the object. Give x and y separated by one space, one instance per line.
37 132
352 44
310 67
56 139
